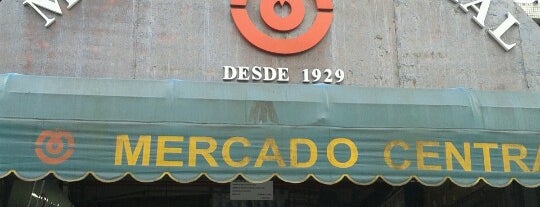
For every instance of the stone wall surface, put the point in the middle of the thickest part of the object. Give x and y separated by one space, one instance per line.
379 43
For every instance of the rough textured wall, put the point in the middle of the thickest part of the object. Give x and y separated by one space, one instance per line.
379 43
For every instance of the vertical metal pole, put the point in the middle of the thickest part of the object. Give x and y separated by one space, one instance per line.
41 193
30 198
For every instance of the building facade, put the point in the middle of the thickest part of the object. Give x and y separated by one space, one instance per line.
532 9
371 103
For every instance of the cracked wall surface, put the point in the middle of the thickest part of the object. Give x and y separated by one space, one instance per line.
378 43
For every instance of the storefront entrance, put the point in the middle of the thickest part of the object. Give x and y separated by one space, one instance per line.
205 193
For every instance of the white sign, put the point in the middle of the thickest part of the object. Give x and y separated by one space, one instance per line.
281 75
246 191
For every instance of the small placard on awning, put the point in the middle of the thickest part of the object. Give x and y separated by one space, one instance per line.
246 191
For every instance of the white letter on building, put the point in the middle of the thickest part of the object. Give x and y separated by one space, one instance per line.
505 26
52 6
229 73
482 12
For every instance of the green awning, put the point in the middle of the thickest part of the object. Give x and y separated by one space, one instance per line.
73 127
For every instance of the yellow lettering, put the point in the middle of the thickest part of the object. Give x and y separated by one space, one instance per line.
464 161
388 155
226 152
294 153
516 159
162 150
330 154
132 156
536 166
205 153
421 154
486 152
269 143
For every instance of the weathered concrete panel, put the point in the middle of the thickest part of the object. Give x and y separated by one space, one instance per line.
170 38
383 43
105 43
530 41
364 42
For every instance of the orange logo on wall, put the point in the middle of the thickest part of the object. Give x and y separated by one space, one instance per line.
53 144
306 41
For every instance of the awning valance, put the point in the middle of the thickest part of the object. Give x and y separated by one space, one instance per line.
74 127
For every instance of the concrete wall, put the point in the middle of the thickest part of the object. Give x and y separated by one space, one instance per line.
379 43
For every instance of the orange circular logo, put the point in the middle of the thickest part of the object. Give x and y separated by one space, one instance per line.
304 42
50 147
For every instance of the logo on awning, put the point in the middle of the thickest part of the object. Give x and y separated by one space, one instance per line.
54 147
